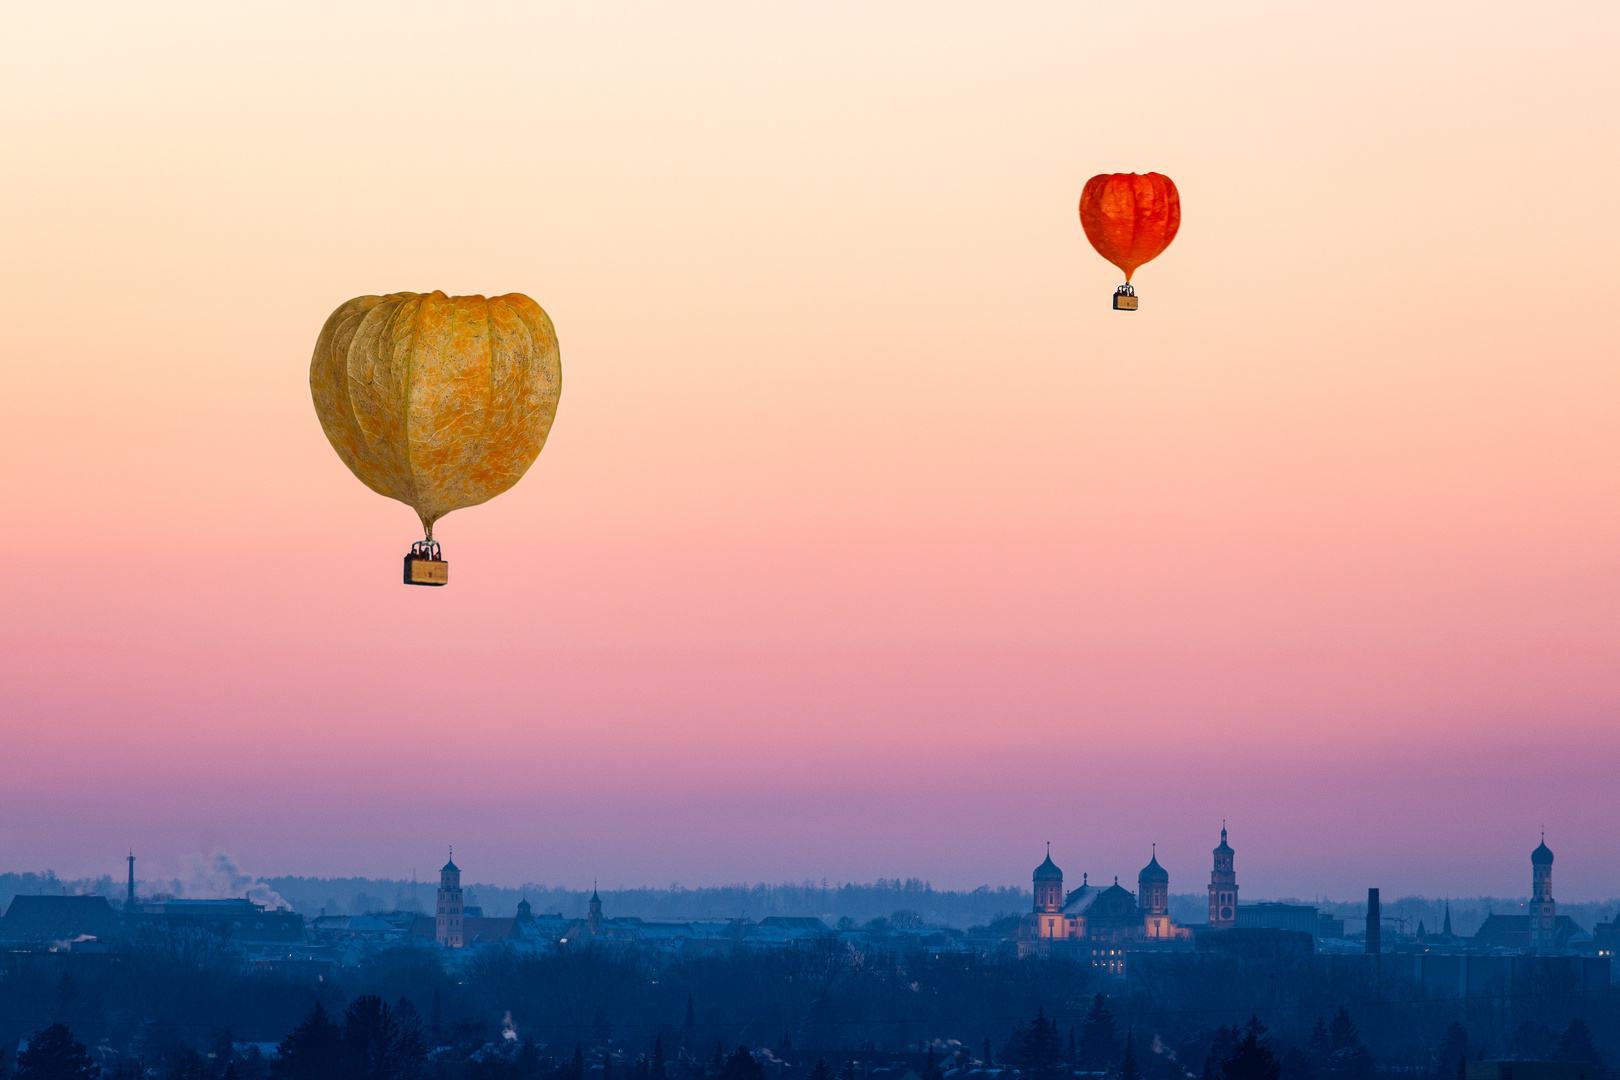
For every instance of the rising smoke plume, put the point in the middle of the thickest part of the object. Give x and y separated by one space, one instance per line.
217 877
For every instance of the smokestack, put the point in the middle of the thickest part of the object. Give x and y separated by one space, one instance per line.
1375 924
130 903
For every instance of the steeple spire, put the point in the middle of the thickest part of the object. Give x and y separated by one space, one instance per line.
593 919
448 912
1223 887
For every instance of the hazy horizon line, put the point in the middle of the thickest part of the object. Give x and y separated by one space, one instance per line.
896 885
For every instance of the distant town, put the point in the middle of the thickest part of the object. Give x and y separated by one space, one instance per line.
1105 926
1064 987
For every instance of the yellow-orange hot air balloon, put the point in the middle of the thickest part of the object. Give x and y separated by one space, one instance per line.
1130 220
438 401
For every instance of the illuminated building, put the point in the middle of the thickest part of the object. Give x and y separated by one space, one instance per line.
1103 924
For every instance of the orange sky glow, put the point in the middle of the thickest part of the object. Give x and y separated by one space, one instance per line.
868 541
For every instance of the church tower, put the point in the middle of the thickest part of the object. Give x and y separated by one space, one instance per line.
1153 897
447 924
594 919
1543 909
1049 918
1223 888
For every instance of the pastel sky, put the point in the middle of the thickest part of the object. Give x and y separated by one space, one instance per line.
868 541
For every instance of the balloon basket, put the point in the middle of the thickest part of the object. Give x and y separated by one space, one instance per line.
1124 298
424 565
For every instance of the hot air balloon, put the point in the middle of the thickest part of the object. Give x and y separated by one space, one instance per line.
438 401
1130 220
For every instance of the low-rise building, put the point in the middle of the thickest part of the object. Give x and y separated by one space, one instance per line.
1274 916
237 920
45 921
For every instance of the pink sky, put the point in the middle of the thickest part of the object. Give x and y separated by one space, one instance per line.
868 540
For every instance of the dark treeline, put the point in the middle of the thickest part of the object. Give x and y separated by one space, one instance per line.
184 1008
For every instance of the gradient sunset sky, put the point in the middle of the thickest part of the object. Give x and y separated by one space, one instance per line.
868 541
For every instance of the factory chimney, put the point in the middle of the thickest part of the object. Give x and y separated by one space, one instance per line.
1375 924
129 905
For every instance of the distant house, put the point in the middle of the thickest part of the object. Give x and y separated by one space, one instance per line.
1606 936
788 930
474 931
799 924
352 926
59 918
238 919
1512 932
664 935
1273 916
1258 942
547 926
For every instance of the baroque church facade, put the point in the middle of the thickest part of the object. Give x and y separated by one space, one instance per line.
1540 929
1101 921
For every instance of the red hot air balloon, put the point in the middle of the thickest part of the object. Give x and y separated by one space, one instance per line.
1130 220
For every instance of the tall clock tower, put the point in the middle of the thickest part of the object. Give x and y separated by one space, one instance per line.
1223 888
447 923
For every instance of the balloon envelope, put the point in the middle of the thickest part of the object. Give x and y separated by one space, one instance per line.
438 401
1130 219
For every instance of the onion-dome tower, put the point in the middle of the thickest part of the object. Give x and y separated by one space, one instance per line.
1543 909
1153 887
1048 885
